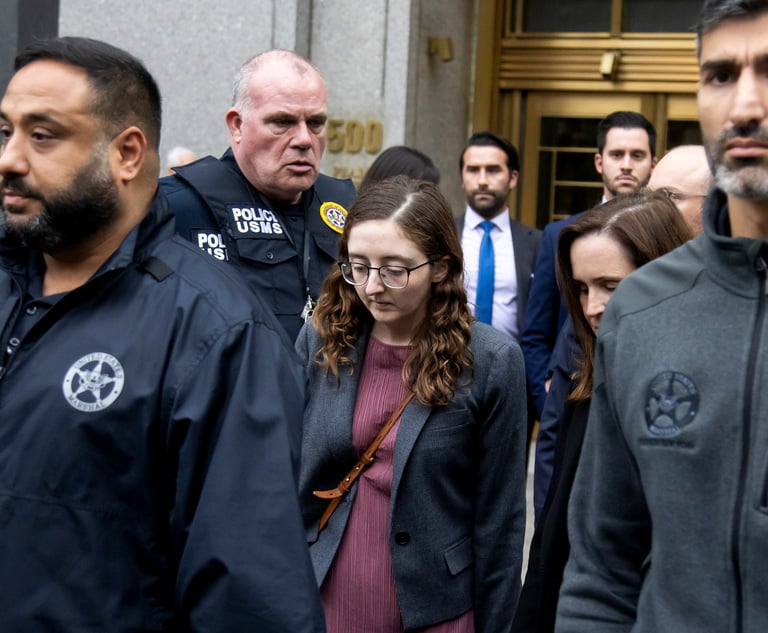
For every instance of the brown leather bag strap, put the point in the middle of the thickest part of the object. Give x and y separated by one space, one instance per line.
366 459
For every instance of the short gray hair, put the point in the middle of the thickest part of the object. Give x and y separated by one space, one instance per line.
241 96
715 12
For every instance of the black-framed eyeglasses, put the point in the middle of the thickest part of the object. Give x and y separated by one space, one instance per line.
677 196
394 277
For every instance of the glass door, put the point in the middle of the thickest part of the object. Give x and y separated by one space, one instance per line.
560 140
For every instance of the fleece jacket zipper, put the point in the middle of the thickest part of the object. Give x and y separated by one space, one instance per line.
754 349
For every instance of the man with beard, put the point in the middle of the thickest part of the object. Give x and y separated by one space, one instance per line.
151 408
668 512
499 251
626 144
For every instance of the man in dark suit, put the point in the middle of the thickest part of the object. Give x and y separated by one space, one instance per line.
490 168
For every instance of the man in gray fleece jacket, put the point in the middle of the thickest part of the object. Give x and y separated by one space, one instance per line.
668 518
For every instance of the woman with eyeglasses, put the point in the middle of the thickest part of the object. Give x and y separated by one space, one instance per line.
429 537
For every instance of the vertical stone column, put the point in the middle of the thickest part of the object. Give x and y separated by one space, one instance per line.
24 21
381 74
293 26
8 41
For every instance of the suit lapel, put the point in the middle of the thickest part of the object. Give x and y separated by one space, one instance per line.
523 246
522 249
342 403
460 224
412 422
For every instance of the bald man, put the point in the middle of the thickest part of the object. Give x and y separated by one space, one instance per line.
263 206
685 176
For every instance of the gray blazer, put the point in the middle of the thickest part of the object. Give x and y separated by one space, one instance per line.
525 245
457 516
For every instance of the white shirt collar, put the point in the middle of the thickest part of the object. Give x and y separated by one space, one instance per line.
473 219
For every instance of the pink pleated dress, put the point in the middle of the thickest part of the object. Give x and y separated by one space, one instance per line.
359 591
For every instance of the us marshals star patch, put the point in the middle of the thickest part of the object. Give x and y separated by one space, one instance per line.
672 401
334 215
93 382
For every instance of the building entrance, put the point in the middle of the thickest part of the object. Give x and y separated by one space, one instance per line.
559 140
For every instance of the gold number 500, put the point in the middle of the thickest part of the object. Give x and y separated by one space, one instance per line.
352 136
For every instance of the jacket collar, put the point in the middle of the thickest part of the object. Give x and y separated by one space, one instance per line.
732 260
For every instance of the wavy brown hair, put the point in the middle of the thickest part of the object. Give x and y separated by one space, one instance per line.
440 346
646 225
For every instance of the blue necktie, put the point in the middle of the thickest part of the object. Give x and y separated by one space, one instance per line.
484 299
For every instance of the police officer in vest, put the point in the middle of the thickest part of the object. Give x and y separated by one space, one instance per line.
264 206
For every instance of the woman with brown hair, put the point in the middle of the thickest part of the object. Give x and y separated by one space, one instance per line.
401 160
430 536
594 254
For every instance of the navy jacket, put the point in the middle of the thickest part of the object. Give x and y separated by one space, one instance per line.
565 361
217 209
550 547
544 314
146 476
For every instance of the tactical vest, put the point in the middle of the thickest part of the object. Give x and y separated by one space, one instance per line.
259 242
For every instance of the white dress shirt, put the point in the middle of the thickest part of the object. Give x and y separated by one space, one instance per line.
505 272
